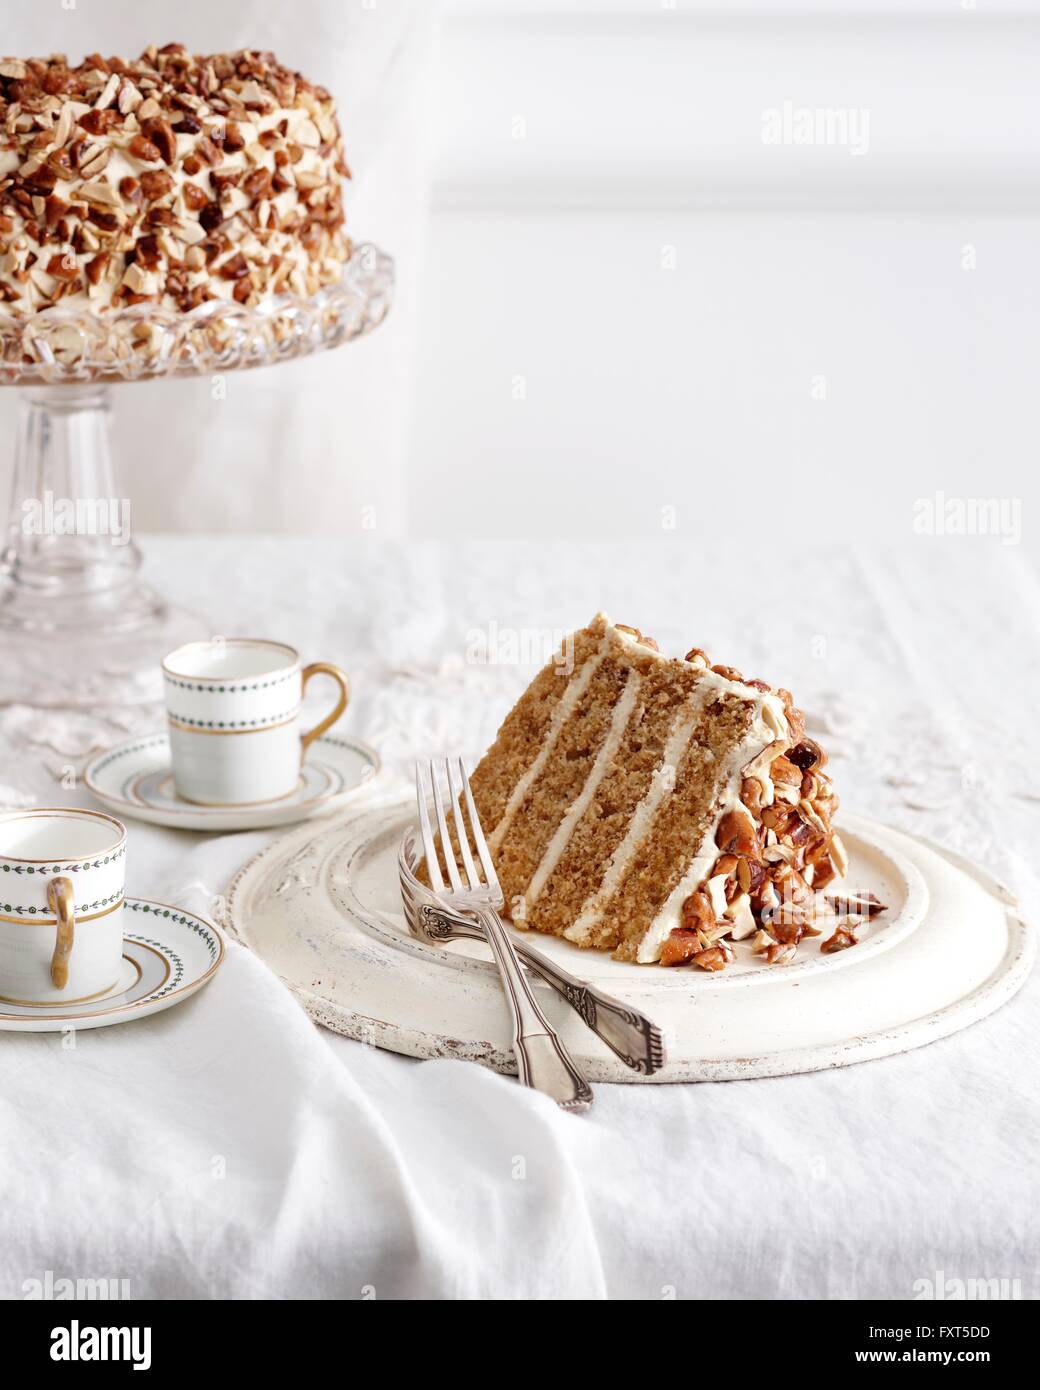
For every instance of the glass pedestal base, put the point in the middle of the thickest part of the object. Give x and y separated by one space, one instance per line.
78 629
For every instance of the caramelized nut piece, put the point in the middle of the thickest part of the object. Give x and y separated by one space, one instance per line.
744 875
680 947
712 959
697 912
155 184
194 197
160 133
842 939
143 148
839 858
780 955
795 717
786 931
751 794
807 754
823 873
736 834
857 904
783 770
640 637
63 266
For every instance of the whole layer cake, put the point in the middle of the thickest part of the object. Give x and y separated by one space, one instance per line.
175 179
660 808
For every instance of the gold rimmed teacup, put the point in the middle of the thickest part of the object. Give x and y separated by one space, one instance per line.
233 709
62 874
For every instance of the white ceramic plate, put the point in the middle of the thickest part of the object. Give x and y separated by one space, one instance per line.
168 954
134 779
886 873
322 906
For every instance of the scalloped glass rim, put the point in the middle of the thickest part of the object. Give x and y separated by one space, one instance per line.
75 346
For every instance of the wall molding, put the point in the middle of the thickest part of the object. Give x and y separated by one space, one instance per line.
627 109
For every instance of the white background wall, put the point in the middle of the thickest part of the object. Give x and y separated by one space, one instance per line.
625 297
638 147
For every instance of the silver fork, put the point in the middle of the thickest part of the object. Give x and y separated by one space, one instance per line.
541 1058
630 1035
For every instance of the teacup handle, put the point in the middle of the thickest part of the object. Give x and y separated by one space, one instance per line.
323 668
61 903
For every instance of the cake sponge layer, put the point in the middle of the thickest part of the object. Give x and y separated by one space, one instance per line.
630 803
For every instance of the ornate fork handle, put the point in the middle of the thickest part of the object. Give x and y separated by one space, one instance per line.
627 1032
541 1058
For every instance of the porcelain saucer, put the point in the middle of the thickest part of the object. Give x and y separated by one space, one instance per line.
134 779
168 954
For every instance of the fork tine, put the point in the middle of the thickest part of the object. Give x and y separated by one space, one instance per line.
429 847
478 834
460 825
442 825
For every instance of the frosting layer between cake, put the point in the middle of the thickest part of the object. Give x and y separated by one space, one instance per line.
627 796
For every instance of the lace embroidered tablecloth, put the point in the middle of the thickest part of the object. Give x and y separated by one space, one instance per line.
230 1148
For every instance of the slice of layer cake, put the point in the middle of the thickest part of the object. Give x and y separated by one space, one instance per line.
657 808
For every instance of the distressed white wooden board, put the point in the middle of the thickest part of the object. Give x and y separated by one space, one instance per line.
322 907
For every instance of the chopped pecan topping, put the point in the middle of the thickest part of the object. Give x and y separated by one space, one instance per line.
160 133
143 148
714 958
640 637
751 794
807 754
679 947
95 267
697 912
736 835
857 905
235 268
176 116
257 185
781 954
784 770
155 184
844 937
63 267
56 208
194 197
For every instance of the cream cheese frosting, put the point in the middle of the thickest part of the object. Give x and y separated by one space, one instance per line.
767 736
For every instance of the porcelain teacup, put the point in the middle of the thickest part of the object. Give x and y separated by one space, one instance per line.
62 871
233 710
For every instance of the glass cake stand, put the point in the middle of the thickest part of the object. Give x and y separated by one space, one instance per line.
78 630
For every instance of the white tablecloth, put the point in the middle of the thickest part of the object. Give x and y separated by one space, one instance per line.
230 1148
